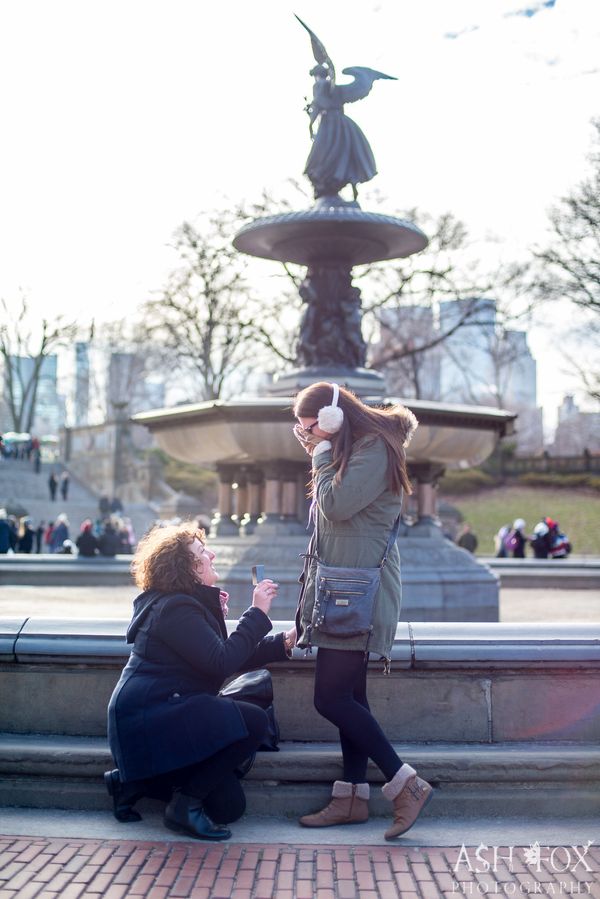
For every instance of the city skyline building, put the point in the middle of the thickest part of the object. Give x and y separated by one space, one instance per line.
467 371
103 385
479 363
82 383
576 431
49 409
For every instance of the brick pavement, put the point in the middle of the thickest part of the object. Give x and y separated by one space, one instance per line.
50 868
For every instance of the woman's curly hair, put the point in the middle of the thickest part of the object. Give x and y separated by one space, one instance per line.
163 560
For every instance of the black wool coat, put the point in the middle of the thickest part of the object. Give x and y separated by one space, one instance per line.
164 712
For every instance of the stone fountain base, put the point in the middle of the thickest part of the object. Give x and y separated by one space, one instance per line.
440 582
364 382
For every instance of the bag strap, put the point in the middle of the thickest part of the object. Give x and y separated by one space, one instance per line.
390 543
391 539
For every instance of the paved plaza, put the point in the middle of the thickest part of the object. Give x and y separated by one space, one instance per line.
48 868
520 604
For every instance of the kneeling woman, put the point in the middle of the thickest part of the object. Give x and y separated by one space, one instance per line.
170 734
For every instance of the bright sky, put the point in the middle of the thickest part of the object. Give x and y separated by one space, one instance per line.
122 118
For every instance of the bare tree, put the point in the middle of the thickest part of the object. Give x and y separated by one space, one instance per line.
125 362
276 314
571 262
492 383
213 324
569 267
408 292
389 289
25 343
411 374
580 350
201 316
406 298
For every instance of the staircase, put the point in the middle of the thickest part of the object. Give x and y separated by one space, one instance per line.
20 486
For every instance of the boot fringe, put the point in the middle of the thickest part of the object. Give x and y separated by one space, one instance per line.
363 791
395 786
343 790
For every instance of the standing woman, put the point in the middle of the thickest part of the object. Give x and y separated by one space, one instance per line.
518 540
26 535
168 730
358 477
60 533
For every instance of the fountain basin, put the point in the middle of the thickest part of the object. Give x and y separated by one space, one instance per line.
260 430
330 234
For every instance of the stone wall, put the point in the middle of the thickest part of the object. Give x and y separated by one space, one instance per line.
450 682
109 459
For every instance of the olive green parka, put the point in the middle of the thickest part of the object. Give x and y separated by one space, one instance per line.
354 520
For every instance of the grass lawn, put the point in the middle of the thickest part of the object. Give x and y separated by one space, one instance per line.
578 513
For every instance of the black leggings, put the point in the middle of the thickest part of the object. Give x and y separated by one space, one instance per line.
341 697
214 780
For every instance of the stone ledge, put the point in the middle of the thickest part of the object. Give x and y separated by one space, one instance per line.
45 754
458 682
57 570
475 705
417 645
503 780
591 563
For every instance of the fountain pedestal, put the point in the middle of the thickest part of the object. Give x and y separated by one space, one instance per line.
364 382
330 239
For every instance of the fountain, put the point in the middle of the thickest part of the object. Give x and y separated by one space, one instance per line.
262 469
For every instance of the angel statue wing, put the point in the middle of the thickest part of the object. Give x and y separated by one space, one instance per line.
320 53
362 84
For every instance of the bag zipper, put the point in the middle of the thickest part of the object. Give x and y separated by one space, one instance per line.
343 580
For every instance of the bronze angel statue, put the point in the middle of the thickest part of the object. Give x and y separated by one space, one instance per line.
340 153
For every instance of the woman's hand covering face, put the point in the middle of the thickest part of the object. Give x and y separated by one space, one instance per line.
307 439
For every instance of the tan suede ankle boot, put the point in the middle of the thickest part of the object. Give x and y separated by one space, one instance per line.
409 795
349 805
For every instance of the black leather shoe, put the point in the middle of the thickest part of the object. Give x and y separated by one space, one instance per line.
184 814
123 798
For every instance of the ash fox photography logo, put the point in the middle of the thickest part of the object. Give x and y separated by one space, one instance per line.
562 861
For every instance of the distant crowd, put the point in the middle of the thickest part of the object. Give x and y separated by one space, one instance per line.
548 540
29 450
109 533
109 536
103 537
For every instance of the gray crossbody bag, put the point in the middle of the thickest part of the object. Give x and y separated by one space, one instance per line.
345 597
